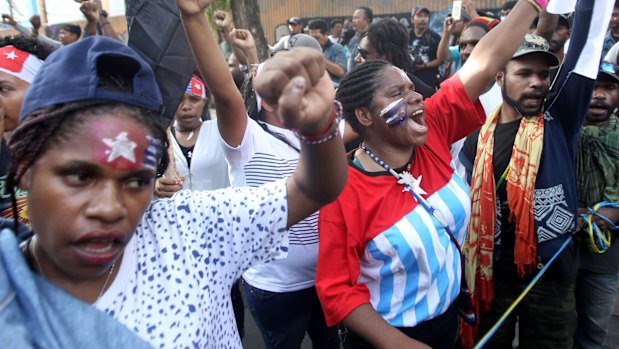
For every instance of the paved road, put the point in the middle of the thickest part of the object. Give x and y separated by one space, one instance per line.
253 339
612 339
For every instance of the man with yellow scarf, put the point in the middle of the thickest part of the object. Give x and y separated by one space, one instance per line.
523 187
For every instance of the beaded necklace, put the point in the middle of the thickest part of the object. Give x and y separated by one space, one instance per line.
412 185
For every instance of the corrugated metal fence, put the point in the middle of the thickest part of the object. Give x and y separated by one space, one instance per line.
276 12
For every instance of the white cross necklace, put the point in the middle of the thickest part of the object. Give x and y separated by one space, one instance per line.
405 178
411 185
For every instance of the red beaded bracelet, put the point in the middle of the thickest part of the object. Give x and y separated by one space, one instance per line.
330 130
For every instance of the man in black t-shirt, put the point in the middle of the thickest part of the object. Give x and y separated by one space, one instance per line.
523 189
423 44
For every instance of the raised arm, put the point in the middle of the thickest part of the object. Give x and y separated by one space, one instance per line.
496 48
27 32
223 21
231 113
576 78
471 8
91 12
107 29
295 82
442 52
244 45
546 25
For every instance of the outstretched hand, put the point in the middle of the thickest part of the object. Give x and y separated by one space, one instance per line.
193 7
295 82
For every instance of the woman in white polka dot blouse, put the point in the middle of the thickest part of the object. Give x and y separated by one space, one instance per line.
87 152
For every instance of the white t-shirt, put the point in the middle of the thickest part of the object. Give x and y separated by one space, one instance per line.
173 285
612 54
209 169
335 40
259 159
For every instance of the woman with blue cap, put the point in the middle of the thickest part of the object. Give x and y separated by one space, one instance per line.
87 151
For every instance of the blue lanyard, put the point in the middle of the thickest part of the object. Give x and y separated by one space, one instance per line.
404 178
600 240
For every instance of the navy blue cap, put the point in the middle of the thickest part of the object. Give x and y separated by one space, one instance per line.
70 74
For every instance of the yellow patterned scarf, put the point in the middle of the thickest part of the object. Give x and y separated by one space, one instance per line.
523 165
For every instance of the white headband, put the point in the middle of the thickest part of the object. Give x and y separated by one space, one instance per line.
18 63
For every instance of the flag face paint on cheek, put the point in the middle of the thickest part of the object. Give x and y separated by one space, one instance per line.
395 113
123 146
151 153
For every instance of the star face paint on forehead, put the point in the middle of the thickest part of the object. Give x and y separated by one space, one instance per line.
122 145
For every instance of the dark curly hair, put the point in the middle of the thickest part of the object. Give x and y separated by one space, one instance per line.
389 37
357 89
249 94
27 44
44 128
71 28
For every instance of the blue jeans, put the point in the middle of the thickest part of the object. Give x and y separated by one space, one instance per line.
283 318
595 299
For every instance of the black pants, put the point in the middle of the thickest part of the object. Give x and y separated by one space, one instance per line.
239 308
439 333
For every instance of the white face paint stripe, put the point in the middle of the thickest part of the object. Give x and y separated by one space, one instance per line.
121 146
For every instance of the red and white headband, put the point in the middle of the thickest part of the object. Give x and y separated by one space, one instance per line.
19 63
196 87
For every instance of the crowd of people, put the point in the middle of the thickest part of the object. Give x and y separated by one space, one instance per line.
369 185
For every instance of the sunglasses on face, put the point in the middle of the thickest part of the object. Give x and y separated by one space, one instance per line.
363 53
395 113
